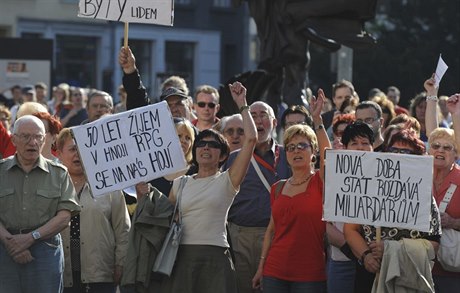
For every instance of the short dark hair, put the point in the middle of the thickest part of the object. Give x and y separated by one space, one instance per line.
370 104
224 147
341 84
357 129
408 137
297 109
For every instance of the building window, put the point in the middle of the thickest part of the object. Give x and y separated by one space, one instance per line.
31 35
76 60
222 3
180 60
142 50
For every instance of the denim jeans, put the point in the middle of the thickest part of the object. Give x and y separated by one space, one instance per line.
341 276
42 275
273 285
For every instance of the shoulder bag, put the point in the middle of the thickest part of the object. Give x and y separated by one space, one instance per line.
166 258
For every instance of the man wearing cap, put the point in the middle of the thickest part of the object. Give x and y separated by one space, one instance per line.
37 199
176 98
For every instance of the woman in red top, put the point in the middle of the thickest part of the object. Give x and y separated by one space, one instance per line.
293 257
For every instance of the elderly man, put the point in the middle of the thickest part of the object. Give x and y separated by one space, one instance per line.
37 199
250 212
99 104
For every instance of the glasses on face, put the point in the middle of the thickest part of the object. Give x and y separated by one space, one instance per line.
232 131
446 147
300 146
400 151
25 138
262 116
203 104
368 120
210 143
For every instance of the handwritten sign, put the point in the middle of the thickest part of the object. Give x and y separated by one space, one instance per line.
121 150
379 189
138 11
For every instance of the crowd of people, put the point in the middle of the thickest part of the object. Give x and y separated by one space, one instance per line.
251 197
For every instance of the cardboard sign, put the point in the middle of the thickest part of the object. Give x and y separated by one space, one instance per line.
138 11
121 150
379 189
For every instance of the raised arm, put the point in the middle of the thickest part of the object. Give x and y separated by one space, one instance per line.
453 106
323 139
431 113
238 169
135 90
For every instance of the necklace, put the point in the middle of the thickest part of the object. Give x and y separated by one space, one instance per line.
301 182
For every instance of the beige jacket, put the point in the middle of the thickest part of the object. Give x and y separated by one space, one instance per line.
104 227
406 267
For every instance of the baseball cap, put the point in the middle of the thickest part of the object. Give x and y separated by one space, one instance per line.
28 89
172 91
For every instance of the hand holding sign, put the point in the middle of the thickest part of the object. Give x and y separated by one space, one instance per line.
127 60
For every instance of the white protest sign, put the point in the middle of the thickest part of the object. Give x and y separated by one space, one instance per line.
441 68
379 189
138 11
121 150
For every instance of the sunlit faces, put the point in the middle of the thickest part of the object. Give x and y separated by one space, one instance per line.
69 157
293 119
177 106
359 143
300 152
443 151
234 133
341 94
401 148
369 116
206 107
185 139
98 106
208 151
264 120
28 140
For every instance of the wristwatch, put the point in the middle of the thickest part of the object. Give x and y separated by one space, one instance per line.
36 235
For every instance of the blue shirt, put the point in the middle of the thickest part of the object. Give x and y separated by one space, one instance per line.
251 206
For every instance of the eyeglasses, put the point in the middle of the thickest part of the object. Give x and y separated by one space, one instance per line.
203 104
232 131
210 143
25 138
262 116
400 151
368 120
447 147
300 146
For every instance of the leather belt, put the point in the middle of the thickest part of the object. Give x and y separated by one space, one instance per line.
20 231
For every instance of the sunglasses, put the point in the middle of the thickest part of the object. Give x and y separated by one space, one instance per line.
210 143
447 147
400 151
203 104
232 131
300 146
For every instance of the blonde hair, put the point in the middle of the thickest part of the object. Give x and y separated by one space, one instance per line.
183 125
302 130
64 135
444 133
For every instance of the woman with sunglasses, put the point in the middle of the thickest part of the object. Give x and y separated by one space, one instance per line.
444 147
203 261
293 257
362 238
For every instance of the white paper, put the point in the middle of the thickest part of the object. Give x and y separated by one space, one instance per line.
440 70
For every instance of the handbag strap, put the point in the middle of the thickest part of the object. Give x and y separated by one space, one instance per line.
259 173
445 201
177 208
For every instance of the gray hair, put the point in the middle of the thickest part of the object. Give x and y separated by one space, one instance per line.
29 119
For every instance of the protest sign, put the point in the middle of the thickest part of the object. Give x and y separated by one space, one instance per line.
379 189
121 150
138 11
